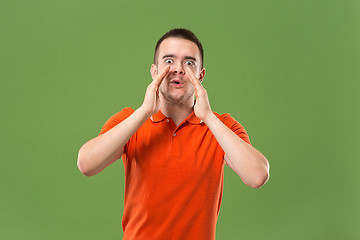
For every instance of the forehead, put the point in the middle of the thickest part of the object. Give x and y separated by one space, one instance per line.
179 47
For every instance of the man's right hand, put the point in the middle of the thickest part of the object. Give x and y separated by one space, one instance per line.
151 104
101 151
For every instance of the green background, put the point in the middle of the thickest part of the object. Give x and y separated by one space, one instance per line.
287 70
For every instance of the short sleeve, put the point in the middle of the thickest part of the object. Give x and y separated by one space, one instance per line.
236 127
116 119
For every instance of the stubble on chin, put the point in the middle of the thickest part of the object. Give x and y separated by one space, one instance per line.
179 100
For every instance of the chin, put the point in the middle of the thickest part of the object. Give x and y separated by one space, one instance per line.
176 97
179 99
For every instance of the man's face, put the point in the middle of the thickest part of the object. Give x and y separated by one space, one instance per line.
179 53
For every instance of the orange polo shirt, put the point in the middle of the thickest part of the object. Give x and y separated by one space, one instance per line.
173 177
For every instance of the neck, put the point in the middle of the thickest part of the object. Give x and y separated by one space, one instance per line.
175 110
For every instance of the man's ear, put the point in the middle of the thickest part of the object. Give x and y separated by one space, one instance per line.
202 75
153 70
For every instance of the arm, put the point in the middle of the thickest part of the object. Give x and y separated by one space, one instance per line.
251 166
103 150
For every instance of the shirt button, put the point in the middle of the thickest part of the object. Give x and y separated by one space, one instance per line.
174 134
167 120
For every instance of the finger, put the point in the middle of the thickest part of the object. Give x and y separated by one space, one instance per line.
195 82
160 77
192 76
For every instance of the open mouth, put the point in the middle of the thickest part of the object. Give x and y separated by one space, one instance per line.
177 83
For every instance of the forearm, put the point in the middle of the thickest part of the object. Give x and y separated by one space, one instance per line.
101 151
105 149
246 161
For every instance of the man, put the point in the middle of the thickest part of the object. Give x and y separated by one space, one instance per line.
174 148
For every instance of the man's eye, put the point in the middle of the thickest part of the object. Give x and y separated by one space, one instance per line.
190 63
169 61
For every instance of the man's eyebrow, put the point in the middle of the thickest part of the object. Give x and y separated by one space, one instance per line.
173 56
168 55
192 58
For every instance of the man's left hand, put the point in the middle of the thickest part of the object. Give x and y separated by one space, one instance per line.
202 107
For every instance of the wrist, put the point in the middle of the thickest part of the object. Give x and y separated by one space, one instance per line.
209 118
144 112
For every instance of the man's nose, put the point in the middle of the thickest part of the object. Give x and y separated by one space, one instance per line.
178 69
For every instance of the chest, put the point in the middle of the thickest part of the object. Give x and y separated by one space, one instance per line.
189 149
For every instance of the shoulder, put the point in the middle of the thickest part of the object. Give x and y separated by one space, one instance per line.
226 117
234 125
125 112
116 119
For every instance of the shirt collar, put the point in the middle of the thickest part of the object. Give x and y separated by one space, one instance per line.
158 117
192 118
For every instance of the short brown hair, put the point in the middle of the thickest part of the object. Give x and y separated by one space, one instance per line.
181 33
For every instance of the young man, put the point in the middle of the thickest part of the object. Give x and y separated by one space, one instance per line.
174 149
